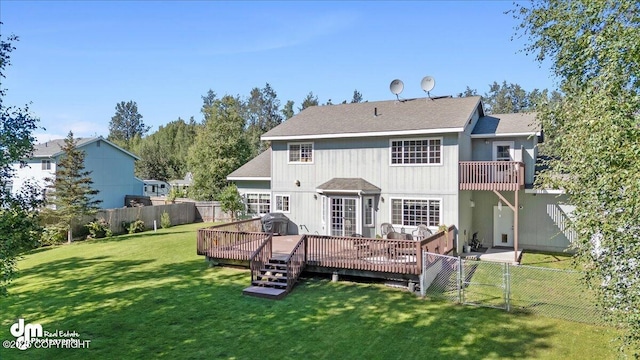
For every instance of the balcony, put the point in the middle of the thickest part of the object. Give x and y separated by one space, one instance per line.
491 175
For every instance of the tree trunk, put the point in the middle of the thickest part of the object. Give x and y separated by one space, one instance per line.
69 236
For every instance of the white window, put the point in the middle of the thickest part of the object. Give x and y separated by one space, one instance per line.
301 152
282 203
413 212
324 209
368 210
46 164
258 204
416 151
503 151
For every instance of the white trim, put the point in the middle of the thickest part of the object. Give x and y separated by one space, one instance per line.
248 178
349 192
313 155
415 198
275 203
512 150
365 199
441 163
544 191
362 134
245 197
493 135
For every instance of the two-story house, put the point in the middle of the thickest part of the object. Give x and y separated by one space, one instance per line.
112 169
346 169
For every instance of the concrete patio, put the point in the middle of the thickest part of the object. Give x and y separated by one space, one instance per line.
496 254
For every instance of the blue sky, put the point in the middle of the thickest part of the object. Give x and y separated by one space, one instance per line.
77 59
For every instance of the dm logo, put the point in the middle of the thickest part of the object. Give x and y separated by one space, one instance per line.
24 333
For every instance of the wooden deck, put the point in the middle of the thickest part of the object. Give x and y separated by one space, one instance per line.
491 175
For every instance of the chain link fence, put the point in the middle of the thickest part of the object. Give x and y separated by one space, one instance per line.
518 288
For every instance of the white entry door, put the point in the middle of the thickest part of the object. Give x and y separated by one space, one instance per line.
502 226
343 216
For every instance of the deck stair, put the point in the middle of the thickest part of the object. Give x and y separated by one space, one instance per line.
271 283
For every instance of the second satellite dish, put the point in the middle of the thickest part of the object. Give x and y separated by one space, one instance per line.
428 83
396 87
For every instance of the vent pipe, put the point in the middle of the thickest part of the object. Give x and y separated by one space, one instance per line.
375 111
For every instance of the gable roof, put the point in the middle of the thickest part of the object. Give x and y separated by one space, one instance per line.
378 118
53 148
496 125
258 168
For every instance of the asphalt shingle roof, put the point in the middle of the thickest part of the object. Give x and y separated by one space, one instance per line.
259 166
502 124
349 184
366 119
54 147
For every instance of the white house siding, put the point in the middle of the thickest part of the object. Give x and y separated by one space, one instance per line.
31 173
542 224
369 159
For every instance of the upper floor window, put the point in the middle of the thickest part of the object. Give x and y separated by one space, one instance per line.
282 203
46 164
417 151
413 212
301 152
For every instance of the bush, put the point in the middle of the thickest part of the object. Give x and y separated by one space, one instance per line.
133 227
98 229
53 235
165 220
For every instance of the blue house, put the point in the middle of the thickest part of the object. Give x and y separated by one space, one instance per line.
112 169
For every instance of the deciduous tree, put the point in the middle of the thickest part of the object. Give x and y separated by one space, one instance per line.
594 50
19 230
219 148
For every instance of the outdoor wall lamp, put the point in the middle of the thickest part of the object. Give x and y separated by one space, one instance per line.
298 183
472 203
499 205
315 197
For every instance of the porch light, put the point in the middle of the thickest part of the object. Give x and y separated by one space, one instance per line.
472 203
499 205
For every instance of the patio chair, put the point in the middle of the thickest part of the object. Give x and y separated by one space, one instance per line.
422 232
386 228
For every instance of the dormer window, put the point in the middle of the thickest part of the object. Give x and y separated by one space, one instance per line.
301 153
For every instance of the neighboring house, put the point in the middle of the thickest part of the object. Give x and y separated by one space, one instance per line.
155 187
182 185
346 169
111 169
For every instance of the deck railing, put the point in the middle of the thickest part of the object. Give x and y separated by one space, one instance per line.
491 175
249 225
233 245
296 262
260 257
356 253
439 243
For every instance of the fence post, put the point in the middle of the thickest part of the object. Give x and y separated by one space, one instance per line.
423 280
507 286
459 282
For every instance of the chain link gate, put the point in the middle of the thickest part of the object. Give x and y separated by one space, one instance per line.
550 292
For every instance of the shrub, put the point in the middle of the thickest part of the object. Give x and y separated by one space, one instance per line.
165 220
53 235
133 227
98 229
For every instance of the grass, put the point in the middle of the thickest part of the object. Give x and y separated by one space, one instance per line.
549 260
149 295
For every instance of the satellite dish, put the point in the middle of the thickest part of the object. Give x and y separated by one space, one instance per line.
396 87
428 83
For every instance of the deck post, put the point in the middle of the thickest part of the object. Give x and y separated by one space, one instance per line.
419 256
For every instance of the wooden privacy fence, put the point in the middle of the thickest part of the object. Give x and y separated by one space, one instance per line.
183 213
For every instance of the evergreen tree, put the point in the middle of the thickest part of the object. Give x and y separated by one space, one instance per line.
287 110
126 124
309 100
71 191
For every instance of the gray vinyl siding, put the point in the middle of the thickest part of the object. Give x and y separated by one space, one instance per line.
367 158
542 225
482 150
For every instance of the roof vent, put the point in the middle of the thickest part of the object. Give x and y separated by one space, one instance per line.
375 111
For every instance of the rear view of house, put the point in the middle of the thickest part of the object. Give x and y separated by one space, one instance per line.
347 169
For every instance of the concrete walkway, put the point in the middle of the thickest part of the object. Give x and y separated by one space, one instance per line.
503 255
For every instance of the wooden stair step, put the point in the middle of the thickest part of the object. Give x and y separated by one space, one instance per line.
273 271
273 277
269 283
265 292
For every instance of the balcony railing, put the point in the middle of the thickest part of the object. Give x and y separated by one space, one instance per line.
491 175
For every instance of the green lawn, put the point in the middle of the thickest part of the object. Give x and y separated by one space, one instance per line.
150 296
